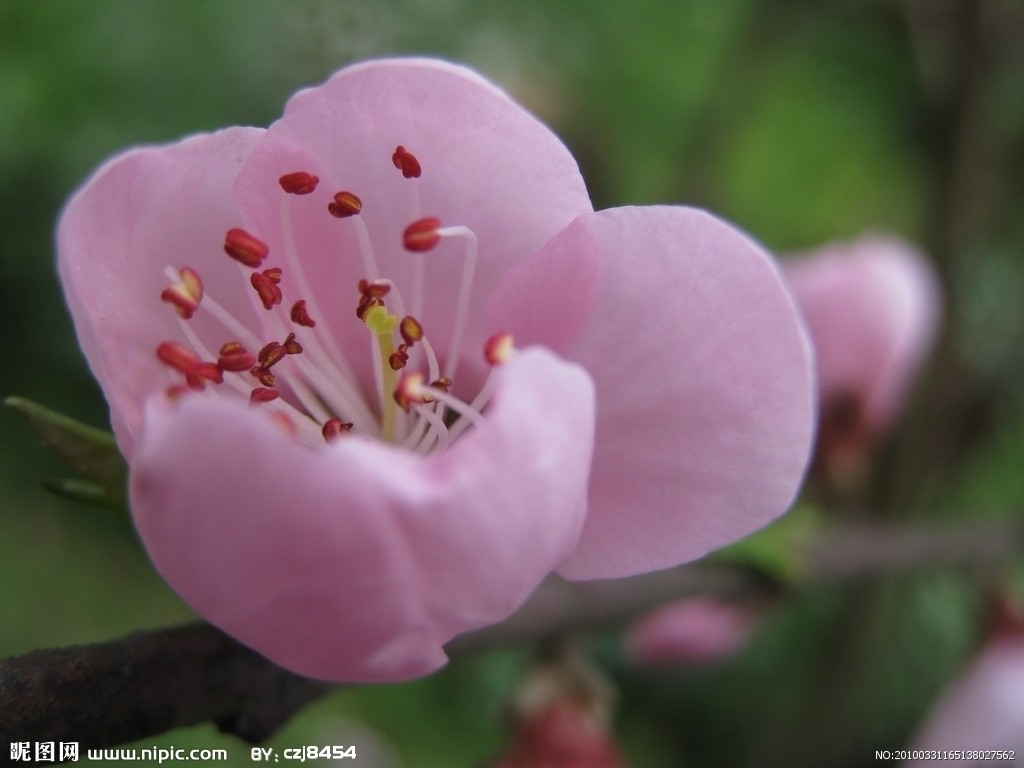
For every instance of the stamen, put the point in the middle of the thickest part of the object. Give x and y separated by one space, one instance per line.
263 395
374 289
499 348
263 375
244 248
465 293
185 294
271 354
299 183
291 346
267 288
334 429
410 329
345 204
300 315
235 357
422 235
406 162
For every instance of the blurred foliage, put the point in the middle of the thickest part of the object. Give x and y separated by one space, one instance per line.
801 121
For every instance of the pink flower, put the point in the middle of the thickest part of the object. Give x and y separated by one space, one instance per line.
697 630
338 454
872 307
983 709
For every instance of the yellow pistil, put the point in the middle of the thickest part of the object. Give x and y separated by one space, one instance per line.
382 324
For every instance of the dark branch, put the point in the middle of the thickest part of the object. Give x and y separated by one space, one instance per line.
148 683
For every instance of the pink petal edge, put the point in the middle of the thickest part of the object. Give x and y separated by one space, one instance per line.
358 562
704 384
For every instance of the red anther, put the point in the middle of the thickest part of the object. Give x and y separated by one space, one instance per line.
410 329
443 384
195 382
410 392
334 428
178 357
291 346
177 296
422 235
299 183
263 395
235 357
406 162
210 372
499 348
185 295
191 282
300 315
399 358
345 204
271 354
374 289
266 289
243 247
274 273
264 376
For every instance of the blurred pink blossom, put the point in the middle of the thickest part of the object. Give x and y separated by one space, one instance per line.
379 369
872 306
698 630
983 709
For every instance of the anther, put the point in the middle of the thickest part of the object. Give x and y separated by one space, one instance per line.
366 303
243 247
178 357
374 289
271 354
406 162
263 395
410 392
443 384
422 235
334 428
235 357
266 287
345 204
499 348
273 274
299 183
185 295
399 358
300 315
291 346
263 375
410 329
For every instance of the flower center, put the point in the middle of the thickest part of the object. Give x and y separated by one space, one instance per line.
300 373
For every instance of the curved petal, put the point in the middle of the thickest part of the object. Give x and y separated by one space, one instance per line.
486 164
358 562
143 211
704 387
872 307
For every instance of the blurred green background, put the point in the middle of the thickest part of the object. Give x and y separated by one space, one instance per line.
800 120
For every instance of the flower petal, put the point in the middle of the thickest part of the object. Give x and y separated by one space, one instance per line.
486 164
358 562
703 376
145 210
872 307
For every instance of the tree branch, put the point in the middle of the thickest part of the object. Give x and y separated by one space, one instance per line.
148 683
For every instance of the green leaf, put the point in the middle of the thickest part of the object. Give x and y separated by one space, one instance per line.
89 451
